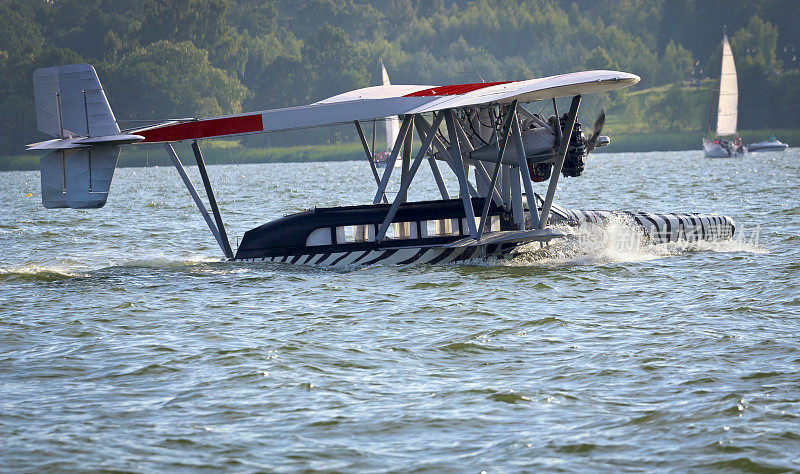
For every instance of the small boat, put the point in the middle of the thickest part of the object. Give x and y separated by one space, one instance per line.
773 144
727 110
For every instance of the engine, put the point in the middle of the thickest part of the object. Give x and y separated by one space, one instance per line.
576 150
541 141
541 144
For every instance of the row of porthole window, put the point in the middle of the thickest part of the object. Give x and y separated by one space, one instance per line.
397 231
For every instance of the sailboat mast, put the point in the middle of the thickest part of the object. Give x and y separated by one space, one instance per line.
711 106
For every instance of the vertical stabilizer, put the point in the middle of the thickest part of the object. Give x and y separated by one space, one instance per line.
70 102
79 178
71 105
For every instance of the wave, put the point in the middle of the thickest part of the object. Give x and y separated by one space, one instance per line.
73 270
39 273
618 241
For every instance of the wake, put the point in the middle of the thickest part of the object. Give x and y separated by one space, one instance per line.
621 240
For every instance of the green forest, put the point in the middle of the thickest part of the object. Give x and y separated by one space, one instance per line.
161 59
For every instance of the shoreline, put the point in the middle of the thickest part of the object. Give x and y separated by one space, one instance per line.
224 152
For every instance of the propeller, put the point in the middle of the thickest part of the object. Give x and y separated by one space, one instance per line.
592 143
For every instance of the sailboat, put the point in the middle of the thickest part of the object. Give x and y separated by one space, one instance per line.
392 129
727 110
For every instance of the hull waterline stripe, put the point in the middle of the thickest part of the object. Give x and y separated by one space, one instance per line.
366 252
412 259
446 253
386 254
340 258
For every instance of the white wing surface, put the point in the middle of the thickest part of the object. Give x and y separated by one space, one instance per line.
379 102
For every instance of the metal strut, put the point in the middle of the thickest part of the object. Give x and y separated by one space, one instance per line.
458 168
193 192
524 172
427 141
387 173
201 165
563 145
370 153
502 141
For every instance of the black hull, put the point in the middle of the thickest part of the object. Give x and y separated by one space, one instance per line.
319 236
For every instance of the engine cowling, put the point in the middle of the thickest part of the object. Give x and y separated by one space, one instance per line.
541 145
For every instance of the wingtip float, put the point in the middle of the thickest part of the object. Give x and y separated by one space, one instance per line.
480 134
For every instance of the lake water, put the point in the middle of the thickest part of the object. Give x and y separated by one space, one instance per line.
127 344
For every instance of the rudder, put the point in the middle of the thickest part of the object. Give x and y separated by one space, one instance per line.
71 104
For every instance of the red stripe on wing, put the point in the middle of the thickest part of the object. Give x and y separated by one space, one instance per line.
454 89
204 129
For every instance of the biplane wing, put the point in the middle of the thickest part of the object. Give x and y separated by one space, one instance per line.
373 103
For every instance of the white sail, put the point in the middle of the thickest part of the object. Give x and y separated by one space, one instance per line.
392 123
728 93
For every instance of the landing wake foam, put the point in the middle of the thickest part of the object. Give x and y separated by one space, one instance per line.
620 239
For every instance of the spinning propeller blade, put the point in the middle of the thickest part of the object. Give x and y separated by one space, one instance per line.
598 127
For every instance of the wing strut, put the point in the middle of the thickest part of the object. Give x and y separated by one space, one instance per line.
406 181
370 153
437 175
199 202
422 126
526 181
563 145
405 167
501 141
387 173
482 174
458 168
201 165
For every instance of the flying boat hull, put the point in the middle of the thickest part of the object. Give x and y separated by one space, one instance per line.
433 232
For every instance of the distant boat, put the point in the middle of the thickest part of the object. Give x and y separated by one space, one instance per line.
773 144
392 130
727 110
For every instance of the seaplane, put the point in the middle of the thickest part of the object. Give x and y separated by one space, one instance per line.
479 134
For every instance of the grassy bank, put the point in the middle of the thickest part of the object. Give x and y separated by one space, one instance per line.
638 111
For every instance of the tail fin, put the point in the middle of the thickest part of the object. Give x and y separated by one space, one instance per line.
78 178
70 102
72 106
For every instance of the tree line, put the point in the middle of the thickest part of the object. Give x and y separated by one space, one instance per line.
161 59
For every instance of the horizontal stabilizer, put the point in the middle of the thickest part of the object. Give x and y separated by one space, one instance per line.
79 178
82 142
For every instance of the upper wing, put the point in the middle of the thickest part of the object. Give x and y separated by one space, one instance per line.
378 102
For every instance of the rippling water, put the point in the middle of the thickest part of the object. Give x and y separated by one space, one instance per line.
126 344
